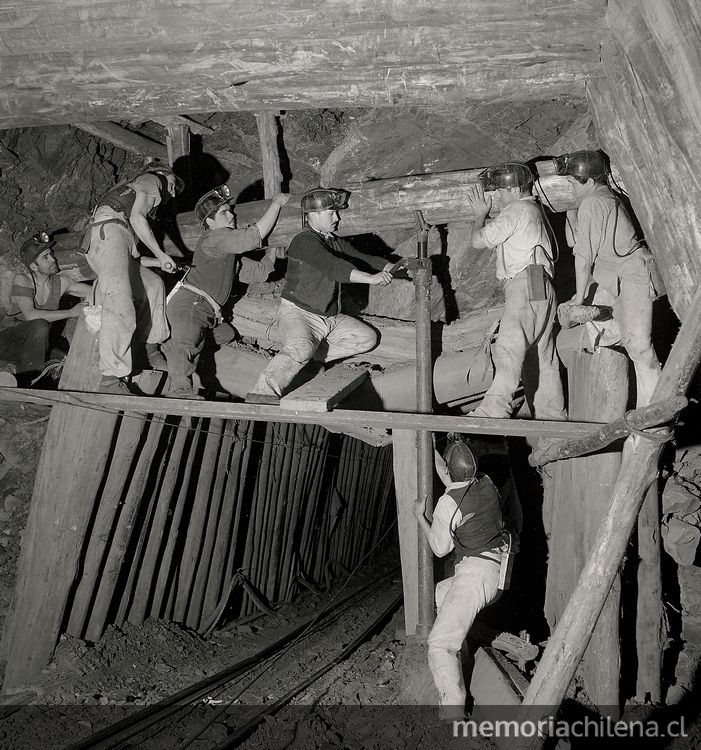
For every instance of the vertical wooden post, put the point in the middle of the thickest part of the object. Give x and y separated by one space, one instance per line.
404 443
650 637
177 141
70 472
267 132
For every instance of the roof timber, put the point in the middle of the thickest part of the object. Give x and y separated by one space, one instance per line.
78 60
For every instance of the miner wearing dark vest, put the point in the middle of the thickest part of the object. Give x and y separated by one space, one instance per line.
472 521
194 305
35 307
132 297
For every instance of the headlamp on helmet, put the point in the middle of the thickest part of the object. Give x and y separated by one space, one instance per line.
582 164
322 199
460 460
208 204
509 175
33 247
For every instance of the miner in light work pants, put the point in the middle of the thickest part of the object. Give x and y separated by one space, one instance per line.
472 521
310 322
132 297
525 346
608 253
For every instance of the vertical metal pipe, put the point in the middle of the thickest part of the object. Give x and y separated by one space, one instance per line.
424 404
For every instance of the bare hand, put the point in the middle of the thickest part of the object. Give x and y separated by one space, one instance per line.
281 199
77 309
381 279
167 264
480 203
419 507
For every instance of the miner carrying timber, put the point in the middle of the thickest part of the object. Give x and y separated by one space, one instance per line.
473 521
132 297
194 306
309 317
612 266
525 346
35 314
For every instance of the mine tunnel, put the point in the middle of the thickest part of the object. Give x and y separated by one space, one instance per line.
348 374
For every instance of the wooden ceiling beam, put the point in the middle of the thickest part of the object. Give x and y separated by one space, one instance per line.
124 139
67 60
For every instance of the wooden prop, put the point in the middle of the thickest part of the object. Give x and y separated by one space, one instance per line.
638 419
638 470
267 133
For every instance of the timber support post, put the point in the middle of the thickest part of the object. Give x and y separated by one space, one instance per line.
638 471
424 403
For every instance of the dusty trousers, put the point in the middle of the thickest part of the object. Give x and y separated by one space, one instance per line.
525 351
459 599
306 335
632 328
132 297
191 321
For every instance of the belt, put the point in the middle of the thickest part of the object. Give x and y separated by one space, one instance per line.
85 243
200 293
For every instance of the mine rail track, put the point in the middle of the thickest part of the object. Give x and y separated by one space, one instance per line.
226 683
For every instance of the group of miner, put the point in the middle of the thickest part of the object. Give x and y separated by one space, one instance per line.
141 328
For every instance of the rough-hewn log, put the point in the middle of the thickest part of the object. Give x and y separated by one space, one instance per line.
389 204
638 471
647 113
75 452
125 139
66 60
639 419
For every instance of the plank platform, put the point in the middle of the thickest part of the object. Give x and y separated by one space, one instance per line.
336 418
324 391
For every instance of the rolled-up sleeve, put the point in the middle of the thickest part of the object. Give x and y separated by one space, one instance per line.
440 538
255 271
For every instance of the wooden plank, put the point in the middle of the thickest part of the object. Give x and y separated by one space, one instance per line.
267 123
124 139
324 391
71 467
88 61
338 418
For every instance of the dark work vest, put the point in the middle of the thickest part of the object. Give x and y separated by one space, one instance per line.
485 530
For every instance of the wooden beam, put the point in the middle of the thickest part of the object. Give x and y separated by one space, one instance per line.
177 141
326 390
639 468
390 203
267 123
337 418
195 127
88 61
124 139
638 419
647 112
73 458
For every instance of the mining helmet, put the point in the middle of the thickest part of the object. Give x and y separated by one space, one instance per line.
509 175
211 201
460 460
33 247
582 164
322 199
164 170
